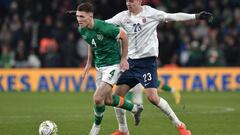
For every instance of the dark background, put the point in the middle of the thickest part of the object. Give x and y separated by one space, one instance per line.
37 33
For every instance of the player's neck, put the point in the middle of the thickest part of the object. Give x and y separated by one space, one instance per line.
91 24
137 11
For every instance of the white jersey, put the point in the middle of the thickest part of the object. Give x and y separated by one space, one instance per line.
141 30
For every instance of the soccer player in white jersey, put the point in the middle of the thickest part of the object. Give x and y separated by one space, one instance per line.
140 23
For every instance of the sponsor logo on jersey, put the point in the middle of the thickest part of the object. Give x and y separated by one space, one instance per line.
146 84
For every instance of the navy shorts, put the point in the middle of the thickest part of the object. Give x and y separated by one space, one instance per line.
142 71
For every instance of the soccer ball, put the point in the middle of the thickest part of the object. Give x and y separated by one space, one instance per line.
48 128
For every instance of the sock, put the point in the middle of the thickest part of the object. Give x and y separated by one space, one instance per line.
137 94
166 88
122 103
172 90
163 86
167 110
95 129
121 118
98 112
158 83
129 96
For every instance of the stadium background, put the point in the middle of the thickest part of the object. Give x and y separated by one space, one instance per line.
38 34
41 52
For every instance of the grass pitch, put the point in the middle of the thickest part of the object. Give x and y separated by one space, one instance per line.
204 113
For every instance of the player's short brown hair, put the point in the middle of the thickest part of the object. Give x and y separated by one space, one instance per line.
86 7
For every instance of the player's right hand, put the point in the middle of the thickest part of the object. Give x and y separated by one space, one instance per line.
204 16
124 64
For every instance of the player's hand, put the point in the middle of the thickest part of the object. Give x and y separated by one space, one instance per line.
124 64
204 16
86 69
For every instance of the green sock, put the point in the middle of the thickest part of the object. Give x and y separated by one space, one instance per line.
99 110
164 87
122 103
158 83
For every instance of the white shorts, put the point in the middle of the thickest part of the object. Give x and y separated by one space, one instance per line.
108 74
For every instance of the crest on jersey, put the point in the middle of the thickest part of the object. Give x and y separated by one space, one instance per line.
99 36
144 20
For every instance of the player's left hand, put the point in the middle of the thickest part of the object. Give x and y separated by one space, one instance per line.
124 64
204 16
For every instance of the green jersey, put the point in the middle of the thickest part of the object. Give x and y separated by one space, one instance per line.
103 41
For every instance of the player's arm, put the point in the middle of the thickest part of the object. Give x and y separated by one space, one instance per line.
124 63
185 17
89 62
116 20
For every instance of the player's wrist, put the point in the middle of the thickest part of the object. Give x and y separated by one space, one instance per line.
124 57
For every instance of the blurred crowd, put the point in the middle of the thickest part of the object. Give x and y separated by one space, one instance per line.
38 33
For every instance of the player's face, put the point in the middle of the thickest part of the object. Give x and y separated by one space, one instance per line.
133 5
83 18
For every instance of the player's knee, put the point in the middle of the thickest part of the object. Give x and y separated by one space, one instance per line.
98 99
121 90
153 99
119 93
108 100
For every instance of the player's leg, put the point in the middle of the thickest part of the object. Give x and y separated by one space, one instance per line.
99 106
134 95
103 95
97 116
104 82
163 105
121 113
137 94
176 93
123 85
149 81
111 75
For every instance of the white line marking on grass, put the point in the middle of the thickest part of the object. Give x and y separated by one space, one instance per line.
210 110
219 110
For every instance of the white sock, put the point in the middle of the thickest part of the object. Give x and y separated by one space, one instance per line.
167 110
134 109
137 94
121 118
95 129
172 90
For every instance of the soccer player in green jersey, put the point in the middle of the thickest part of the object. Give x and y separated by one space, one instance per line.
103 48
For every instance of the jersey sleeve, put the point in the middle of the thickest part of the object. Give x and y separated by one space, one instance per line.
111 30
157 14
115 19
166 17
